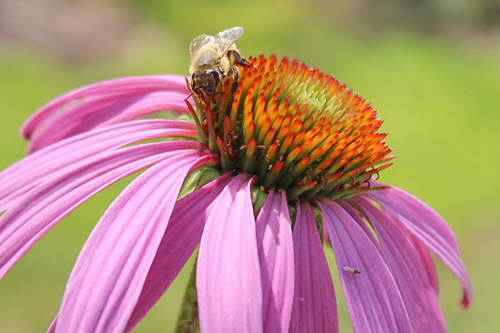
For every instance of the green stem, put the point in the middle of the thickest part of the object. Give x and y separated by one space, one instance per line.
188 317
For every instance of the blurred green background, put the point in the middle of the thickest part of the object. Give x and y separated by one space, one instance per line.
432 70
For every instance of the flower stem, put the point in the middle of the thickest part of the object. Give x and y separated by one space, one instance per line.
188 316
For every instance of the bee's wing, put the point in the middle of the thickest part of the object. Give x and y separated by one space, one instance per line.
226 38
200 41
230 35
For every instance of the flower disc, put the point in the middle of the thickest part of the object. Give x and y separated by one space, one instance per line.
296 129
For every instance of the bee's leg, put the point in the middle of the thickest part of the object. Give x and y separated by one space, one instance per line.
233 54
235 73
222 79
222 73
236 76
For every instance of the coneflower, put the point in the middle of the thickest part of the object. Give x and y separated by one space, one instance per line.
259 181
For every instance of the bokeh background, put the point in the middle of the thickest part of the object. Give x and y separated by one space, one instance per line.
431 68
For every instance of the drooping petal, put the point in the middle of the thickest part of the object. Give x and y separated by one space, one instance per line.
34 169
103 111
429 228
41 208
430 266
183 235
121 87
372 296
228 276
275 245
315 307
409 271
109 274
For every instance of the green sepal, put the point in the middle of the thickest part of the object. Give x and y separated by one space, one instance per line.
198 178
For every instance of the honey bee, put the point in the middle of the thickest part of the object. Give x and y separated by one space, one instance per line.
212 59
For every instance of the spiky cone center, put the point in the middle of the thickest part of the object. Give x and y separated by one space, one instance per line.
294 128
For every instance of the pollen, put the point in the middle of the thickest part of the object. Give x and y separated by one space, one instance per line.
295 129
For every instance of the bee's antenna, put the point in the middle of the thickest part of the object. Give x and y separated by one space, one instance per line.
190 89
191 94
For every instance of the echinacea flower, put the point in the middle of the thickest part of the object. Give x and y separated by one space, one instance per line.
264 177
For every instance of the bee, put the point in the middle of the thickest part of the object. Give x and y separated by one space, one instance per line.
351 270
212 59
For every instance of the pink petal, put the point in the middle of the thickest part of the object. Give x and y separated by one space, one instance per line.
228 271
429 228
428 262
33 169
104 111
372 297
147 105
123 86
315 307
109 274
52 327
408 269
41 208
275 245
180 240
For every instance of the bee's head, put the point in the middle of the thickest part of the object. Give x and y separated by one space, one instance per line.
206 80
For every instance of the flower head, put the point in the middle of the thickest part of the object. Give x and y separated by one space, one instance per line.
265 173
297 130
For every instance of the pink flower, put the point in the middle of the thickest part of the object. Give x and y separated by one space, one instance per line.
255 182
